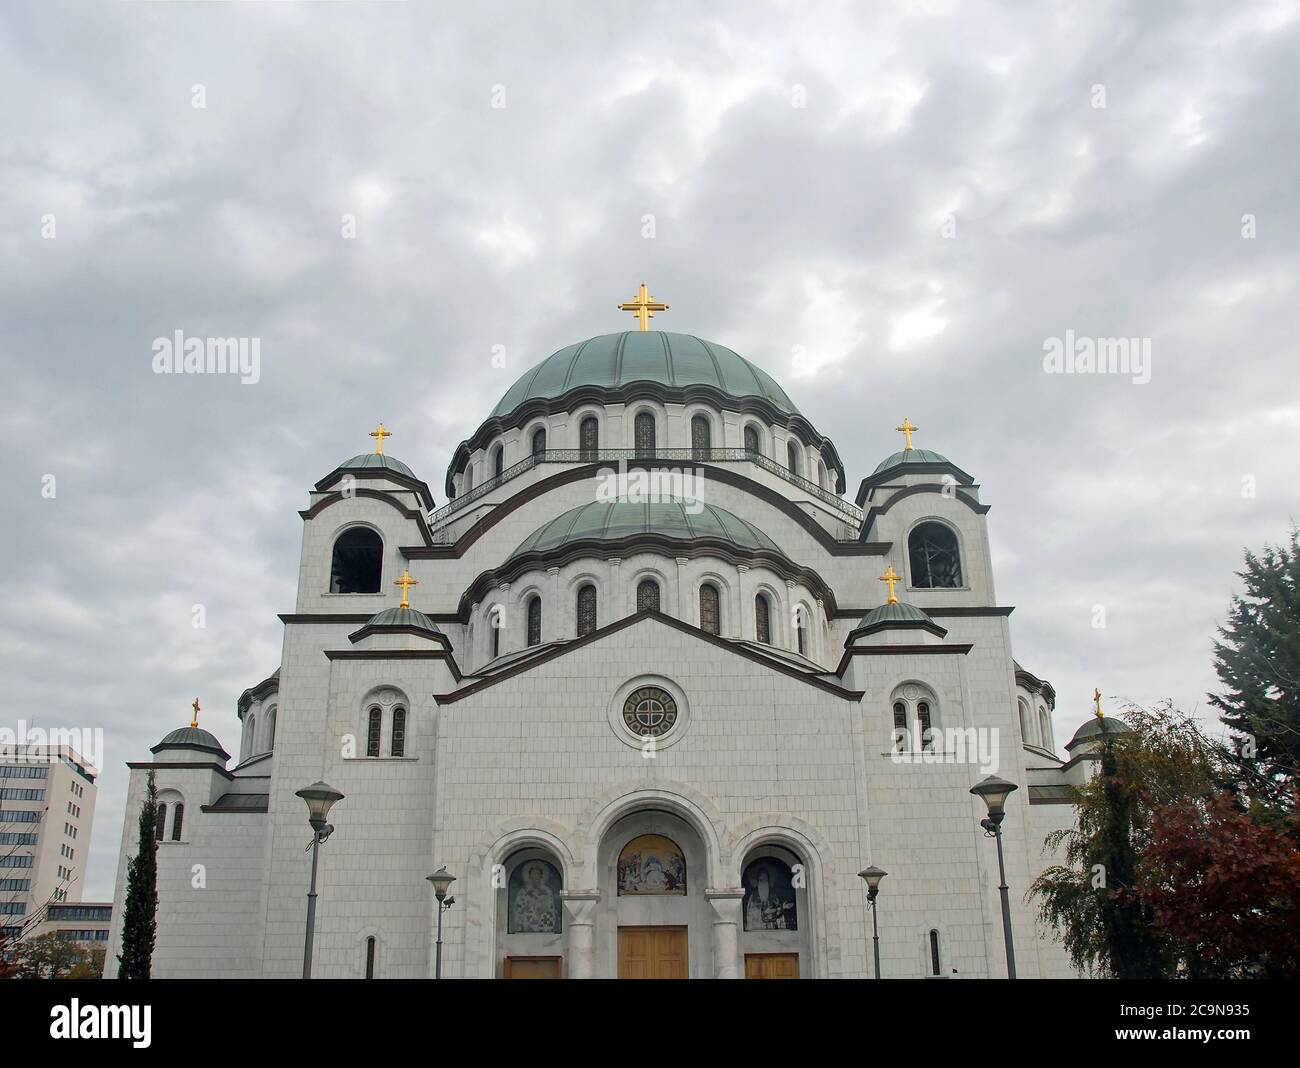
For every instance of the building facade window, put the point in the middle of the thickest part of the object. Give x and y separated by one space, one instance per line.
710 622
643 431
1045 728
935 966
178 820
397 745
762 619
701 436
647 596
586 610
589 437
534 621
370 957
373 728
923 724
356 562
650 712
498 461
539 442
900 726
751 439
160 823
934 556
792 457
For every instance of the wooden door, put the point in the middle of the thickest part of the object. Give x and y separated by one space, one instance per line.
652 953
771 965
533 967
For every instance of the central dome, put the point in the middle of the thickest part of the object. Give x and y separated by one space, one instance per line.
658 356
604 521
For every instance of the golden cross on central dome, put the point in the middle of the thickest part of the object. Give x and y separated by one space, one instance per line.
907 430
380 433
406 582
195 721
1096 696
644 307
892 577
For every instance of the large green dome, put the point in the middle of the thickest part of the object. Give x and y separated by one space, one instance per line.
611 521
667 359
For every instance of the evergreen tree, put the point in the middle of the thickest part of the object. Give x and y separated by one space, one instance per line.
1258 662
140 914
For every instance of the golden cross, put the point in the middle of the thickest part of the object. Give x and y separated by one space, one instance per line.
406 582
380 433
1096 696
891 576
644 307
907 430
195 721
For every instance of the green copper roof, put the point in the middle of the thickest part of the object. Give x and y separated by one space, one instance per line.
894 613
187 736
911 456
374 460
1096 727
402 617
609 521
673 360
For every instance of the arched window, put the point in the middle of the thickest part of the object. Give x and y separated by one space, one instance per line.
398 743
751 439
820 473
936 561
373 728
586 610
1045 728
539 442
535 621
370 957
647 596
1023 707
357 561
762 619
792 457
710 622
469 477
160 823
644 433
496 618
935 968
498 461
900 726
178 820
801 629
251 726
589 437
701 436
270 730
923 724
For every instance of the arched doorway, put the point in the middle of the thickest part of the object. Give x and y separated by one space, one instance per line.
775 917
530 915
654 918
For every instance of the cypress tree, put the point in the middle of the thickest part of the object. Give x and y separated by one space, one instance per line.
140 914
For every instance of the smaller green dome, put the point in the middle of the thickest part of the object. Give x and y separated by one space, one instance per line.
911 456
403 617
190 738
1096 727
373 461
906 614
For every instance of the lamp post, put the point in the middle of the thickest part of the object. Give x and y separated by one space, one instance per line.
441 880
872 876
320 798
994 792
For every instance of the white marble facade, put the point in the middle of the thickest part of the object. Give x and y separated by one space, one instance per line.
494 754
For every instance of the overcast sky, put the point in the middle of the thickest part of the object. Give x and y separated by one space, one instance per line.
889 211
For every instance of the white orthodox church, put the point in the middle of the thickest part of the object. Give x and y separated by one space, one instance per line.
646 698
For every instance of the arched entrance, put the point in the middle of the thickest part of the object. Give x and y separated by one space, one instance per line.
654 920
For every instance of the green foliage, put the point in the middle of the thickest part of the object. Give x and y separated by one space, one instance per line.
49 956
140 914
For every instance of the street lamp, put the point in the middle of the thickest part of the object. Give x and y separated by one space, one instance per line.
320 798
994 792
872 876
442 880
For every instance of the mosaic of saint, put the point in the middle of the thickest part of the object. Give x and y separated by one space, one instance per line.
769 896
651 864
534 895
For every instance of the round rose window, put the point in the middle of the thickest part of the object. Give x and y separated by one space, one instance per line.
649 712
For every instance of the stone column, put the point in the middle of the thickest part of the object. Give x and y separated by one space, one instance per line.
617 595
744 604
684 609
726 905
551 608
580 908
